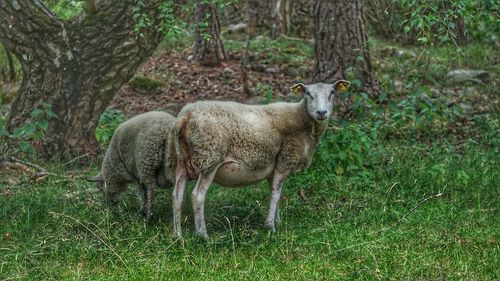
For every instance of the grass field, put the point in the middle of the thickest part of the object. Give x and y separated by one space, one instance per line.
410 220
427 208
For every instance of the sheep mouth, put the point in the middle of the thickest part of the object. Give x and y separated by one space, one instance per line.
321 118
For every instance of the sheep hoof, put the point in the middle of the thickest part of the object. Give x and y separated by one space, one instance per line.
270 226
203 235
177 236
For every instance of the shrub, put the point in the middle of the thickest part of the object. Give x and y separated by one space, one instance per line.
22 138
108 123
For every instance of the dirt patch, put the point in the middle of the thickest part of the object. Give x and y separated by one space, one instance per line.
184 82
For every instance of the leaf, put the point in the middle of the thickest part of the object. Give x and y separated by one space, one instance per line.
37 112
339 170
4 132
342 155
43 124
18 132
423 39
25 146
29 129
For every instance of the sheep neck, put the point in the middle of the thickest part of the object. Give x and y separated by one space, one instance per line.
293 118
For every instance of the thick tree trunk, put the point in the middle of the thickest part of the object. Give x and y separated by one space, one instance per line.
74 66
341 44
208 47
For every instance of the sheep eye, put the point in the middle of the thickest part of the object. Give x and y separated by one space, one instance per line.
309 94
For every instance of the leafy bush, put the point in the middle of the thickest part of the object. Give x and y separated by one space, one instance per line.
350 149
22 138
420 114
169 24
108 123
353 146
435 22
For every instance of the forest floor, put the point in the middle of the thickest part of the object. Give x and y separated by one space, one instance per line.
168 80
407 190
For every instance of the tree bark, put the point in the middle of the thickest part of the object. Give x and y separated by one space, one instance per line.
75 66
12 68
208 47
276 18
341 44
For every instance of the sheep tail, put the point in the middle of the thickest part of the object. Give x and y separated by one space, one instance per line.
181 123
98 178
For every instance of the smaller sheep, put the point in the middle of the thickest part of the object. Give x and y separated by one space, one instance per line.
139 152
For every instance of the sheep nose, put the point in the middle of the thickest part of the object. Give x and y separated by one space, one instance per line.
321 113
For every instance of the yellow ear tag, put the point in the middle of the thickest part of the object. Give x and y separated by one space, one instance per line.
342 87
299 89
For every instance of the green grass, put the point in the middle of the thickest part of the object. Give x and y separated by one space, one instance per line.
60 230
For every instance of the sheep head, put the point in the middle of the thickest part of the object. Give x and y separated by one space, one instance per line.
320 97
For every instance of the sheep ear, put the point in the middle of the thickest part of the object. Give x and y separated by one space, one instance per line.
298 88
341 86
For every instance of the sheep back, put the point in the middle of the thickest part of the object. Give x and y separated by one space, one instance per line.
137 149
258 137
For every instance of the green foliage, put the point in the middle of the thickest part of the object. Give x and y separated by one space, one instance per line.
282 51
351 149
108 122
266 91
65 9
168 23
446 21
23 138
143 21
353 146
140 83
420 115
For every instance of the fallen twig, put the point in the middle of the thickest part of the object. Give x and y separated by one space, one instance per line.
412 210
76 159
29 164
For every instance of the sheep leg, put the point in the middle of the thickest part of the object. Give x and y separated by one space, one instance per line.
142 194
150 201
277 214
198 197
178 197
276 187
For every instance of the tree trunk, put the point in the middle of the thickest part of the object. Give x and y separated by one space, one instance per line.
74 66
208 47
341 44
276 18
281 17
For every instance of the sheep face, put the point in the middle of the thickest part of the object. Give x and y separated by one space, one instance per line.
110 192
320 97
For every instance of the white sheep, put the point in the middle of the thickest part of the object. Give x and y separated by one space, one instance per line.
235 144
142 152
